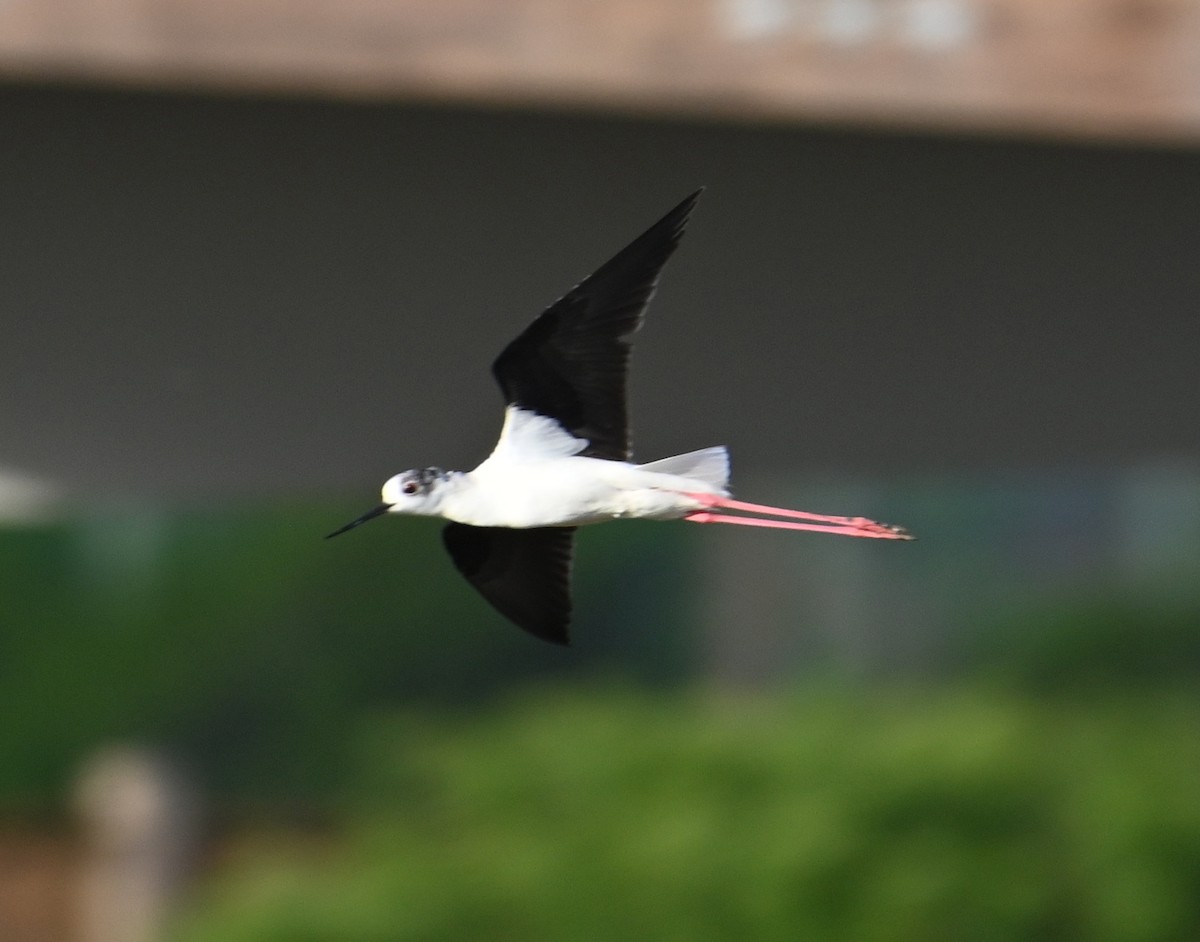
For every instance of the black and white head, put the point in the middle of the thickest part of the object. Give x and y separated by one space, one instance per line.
414 492
409 492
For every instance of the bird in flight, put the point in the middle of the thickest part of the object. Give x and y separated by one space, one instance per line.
563 457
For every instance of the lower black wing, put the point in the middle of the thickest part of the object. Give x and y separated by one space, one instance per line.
524 574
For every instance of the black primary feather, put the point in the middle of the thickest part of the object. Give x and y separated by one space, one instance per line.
570 364
524 574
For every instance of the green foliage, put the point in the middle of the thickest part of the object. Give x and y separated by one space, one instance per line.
1107 639
238 639
835 816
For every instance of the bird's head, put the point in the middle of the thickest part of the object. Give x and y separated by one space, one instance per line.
414 492
409 492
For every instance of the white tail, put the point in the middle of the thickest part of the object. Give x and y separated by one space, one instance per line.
710 465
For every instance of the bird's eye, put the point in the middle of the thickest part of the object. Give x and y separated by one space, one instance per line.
409 487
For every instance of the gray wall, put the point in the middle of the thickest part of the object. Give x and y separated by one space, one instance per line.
221 295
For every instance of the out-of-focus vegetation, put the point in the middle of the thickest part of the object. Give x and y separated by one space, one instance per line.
1108 639
1033 775
241 642
835 815
246 645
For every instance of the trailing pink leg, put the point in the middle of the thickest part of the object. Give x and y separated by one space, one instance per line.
876 531
837 523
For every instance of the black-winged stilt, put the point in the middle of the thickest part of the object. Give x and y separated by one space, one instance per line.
562 459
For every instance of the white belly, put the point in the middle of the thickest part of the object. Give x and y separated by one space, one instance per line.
570 492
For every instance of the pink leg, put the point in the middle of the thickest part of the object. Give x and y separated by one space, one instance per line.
858 523
876 530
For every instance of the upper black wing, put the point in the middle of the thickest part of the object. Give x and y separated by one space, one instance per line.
524 574
570 363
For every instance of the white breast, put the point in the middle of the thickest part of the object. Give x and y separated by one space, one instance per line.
567 492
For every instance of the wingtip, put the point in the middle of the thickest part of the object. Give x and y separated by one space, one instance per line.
688 203
557 633
675 222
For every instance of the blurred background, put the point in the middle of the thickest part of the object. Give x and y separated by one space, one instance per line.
257 256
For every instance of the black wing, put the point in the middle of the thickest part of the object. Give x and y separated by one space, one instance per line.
570 363
524 574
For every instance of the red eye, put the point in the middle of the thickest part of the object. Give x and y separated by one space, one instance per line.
409 487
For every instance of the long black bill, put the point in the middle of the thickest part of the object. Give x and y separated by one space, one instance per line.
369 515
